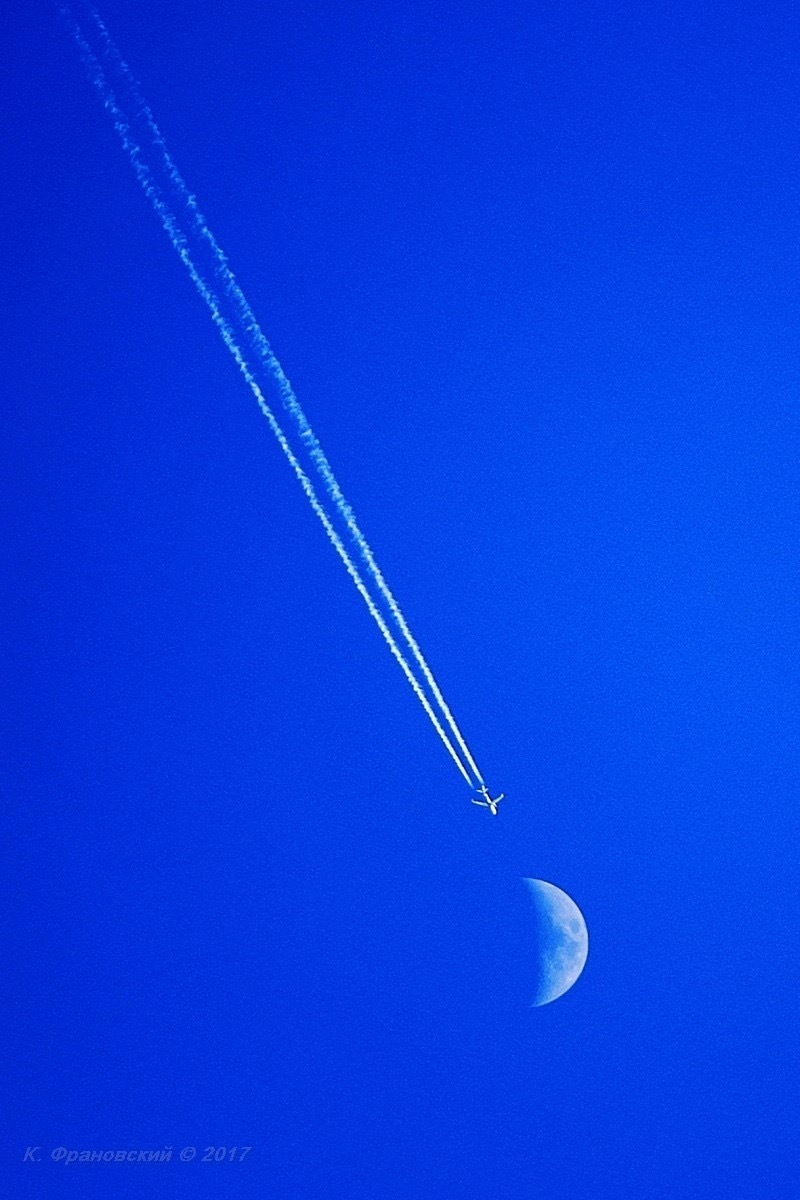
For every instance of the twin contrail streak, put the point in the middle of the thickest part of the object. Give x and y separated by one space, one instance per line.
260 345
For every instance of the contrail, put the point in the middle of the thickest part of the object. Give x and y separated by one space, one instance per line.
180 245
261 346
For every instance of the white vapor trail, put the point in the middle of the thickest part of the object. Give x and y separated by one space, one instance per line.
261 346
181 245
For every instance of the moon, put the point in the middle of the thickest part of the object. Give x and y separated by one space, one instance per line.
563 940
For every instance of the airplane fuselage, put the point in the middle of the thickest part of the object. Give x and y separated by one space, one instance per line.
490 802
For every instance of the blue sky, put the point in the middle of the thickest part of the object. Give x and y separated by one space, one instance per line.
535 277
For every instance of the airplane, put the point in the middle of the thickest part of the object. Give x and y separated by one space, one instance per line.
488 801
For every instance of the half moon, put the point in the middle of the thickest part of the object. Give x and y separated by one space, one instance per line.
563 940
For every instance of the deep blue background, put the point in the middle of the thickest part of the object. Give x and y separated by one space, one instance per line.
535 275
